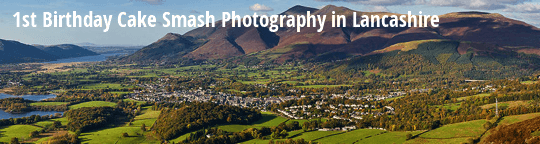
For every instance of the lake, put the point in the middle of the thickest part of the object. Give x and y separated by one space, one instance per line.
6 115
28 97
96 58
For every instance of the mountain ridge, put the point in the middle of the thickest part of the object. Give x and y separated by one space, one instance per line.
286 44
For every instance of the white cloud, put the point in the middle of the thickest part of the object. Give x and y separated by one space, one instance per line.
524 8
152 2
377 9
467 4
471 4
373 2
128 4
260 8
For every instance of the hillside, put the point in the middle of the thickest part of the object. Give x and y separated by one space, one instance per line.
170 46
332 43
66 51
16 52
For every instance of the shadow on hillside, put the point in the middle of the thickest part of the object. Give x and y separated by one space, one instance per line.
265 118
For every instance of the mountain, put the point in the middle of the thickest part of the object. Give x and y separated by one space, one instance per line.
66 51
16 52
170 46
471 30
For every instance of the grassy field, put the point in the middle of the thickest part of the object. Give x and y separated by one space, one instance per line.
48 103
508 104
130 100
478 95
93 104
104 86
20 131
436 141
322 86
452 133
119 93
529 82
268 120
464 129
114 135
450 106
308 136
518 118
389 137
350 137
47 123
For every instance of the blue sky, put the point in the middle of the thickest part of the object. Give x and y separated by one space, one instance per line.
525 10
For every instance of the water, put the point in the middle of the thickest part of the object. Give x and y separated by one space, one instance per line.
97 58
28 97
6 115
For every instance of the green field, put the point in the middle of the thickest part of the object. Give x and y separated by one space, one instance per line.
114 135
450 106
350 137
308 136
478 95
48 103
389 137
20 131
93 104
130 100
268 120
464 129
529 82
518 118
437 141
104 86
322 86
46 123
452 133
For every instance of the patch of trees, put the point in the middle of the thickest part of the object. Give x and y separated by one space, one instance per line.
63 107
172 123
88 118
65 139
15 105
290 141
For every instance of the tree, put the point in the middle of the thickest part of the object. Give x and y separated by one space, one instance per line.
57 124
14 140
34 134
283 134
487 125
409 136
143 127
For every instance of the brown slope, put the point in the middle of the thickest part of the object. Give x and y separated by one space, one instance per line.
286 44
488 28
171 46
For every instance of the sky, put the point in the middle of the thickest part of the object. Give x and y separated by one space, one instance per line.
524 10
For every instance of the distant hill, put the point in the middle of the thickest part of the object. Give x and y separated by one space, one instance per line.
482 29
170 46
16 52
66 51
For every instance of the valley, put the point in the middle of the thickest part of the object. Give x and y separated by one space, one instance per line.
473 79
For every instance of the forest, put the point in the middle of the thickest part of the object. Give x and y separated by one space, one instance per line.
174 122
88 118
